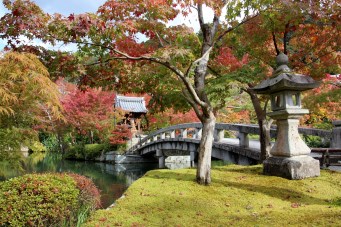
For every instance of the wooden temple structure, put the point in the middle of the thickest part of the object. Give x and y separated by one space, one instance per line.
135 108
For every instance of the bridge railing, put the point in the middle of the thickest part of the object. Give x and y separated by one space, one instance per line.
194 131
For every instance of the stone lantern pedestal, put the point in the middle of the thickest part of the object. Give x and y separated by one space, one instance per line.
289 155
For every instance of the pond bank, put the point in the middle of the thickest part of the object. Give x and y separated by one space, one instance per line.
238 196
111 179
116 158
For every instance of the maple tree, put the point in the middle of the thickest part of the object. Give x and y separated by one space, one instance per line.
192 63
89 112
120 135
27 97
324 103
306 31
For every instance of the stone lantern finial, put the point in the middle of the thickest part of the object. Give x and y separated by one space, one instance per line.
282 61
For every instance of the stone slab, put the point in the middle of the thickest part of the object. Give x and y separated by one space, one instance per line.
293 168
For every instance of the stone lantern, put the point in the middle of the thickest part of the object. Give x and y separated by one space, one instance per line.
289 155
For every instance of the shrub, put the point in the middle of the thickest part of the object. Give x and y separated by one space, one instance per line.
75 152
94 150
315 141
87 151
45 199
89 194
50 142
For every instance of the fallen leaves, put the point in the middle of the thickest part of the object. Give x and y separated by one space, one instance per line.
295 205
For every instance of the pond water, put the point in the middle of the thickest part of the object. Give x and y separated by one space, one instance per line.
111 179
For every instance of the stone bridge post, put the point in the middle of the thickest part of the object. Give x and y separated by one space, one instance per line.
218 135
336 135
163 136
198 133
192 158
243 139
172 134
183 133
162 158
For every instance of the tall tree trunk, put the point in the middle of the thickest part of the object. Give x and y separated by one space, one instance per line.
205 150
264 127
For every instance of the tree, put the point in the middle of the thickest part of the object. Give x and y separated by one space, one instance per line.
177 48
27 97
324 103
89 112
303 30
111 36
187 62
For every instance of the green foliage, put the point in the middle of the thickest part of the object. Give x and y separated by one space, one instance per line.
47 200
86 151
36 146
38 200
51 143
315 141
237 196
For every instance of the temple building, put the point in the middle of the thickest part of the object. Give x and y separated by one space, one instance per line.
135 108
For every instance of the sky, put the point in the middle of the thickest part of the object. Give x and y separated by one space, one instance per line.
66 7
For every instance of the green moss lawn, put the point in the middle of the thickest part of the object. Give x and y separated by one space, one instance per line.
238 196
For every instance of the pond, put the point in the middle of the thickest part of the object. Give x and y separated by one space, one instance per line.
111 179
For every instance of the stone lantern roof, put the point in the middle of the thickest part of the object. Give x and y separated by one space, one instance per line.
284 79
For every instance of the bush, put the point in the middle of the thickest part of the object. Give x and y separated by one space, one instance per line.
315 141
50 142
94 150
75 152
87 151
89 196
46 199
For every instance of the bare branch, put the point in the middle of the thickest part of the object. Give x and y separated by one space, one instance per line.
285 38
174 69
201 17
215 26
275 43
233 28
269 123
192 6
213 71
266 104
159 38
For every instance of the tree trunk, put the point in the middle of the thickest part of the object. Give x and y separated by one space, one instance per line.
264 127
264 139
205 150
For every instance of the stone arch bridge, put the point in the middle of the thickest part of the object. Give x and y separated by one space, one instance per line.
183 139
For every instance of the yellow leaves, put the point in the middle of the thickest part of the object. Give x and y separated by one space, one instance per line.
25 83
170 53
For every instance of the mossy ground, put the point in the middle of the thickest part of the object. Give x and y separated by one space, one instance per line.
238 196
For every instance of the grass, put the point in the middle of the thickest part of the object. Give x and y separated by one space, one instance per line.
238 196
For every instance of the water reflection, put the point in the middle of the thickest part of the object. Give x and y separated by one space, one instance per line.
111 179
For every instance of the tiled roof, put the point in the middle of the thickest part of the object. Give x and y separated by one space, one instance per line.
131 104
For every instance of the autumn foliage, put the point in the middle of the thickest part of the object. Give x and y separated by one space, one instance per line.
120 135
324 103
89 111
